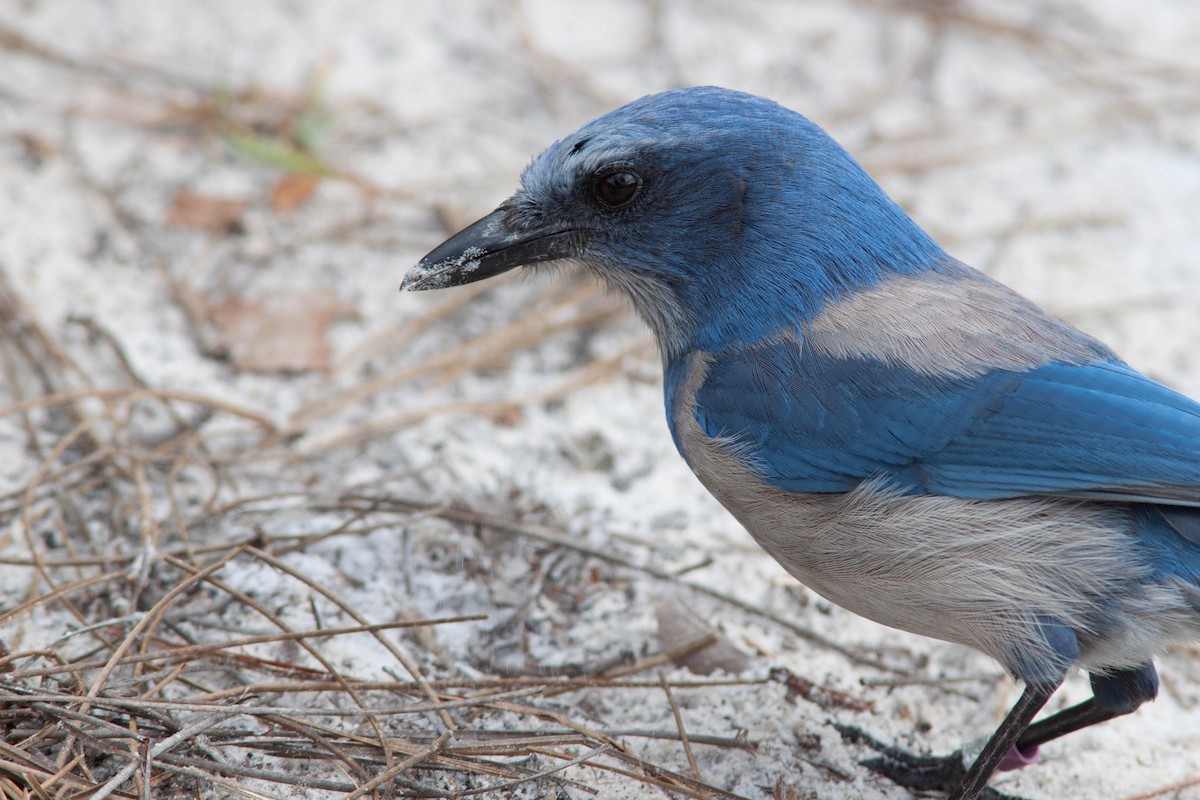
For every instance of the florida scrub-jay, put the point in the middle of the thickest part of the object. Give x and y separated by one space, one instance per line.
907 437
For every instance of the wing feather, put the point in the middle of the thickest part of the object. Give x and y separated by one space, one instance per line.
814 423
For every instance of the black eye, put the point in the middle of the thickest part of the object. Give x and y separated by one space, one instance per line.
616 189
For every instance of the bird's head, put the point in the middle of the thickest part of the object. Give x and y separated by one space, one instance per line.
721 215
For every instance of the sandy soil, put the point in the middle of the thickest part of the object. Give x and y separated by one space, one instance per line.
153 242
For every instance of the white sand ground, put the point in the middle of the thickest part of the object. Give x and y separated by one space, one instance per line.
1055 145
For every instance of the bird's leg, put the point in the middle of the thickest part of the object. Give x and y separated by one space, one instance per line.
1003 740
948 773
1066 721
1115 694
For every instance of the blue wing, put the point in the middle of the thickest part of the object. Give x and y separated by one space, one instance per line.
814 423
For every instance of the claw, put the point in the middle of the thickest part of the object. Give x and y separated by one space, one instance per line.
916 772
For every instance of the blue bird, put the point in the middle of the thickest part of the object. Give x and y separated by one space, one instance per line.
909 438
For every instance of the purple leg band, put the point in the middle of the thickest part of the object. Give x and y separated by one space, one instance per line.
1016 758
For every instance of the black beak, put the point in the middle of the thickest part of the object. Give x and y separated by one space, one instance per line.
487 248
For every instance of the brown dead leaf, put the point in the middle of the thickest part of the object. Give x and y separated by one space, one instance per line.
284 332
677 626
293 191
207 213
509 417
37 149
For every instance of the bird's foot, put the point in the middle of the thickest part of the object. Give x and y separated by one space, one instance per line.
919 773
